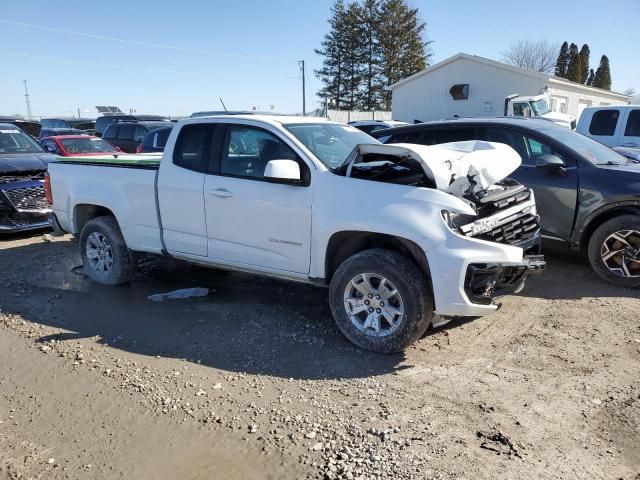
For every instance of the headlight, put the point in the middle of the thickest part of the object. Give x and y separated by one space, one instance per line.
455 221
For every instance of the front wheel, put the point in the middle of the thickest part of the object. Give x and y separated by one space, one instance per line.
380 301
105 255
614 251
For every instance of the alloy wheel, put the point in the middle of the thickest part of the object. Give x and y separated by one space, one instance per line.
99 253
373 304
620 252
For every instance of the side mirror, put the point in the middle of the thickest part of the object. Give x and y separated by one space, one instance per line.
50 148
549 161
283 171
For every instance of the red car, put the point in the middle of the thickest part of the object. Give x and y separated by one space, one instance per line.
77 145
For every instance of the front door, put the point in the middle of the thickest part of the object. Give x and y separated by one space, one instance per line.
630 135
251 221
556 190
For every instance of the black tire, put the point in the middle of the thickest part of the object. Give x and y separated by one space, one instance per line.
623 223
122 266
409 282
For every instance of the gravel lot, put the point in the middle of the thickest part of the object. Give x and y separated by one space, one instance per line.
254 380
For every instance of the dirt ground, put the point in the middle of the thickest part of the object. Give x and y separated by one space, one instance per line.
254 380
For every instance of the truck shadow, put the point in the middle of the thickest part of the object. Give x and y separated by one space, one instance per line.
246 323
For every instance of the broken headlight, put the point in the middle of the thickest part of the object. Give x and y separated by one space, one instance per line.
455 221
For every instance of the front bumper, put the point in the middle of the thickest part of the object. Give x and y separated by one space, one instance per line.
484 282
22 222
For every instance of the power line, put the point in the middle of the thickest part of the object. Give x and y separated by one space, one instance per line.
144 44
145 69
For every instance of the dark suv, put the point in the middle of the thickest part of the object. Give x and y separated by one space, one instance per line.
103 122
128 135
588 196
155 140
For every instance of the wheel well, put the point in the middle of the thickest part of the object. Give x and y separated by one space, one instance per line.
342 245
604 217
84 213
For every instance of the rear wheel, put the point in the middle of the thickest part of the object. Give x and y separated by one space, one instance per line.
380 301
614 251
105 255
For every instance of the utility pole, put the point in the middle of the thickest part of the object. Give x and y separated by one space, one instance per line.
27 101
304 99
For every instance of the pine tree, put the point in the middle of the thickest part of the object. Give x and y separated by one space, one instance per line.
590 78
402 43
354 47
574 70
372 93
332 49
584 63
602 78
563 61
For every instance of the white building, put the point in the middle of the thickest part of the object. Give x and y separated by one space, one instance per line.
428 95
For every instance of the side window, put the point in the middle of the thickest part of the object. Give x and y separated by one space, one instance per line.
633 124
537 149
513 138
247 150
111 131
192 147
519 108
51 146
161 138
604 122
139 133
126 132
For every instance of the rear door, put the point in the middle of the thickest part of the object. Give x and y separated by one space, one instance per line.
630 134
251 221
180 191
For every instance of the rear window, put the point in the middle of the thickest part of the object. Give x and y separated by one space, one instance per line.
604 122
126 132
191 150
86 145
633 124
111 131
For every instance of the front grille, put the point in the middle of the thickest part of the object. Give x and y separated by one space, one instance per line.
515 231
502 199
28 198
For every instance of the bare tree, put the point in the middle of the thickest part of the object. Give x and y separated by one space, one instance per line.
539 56
630 91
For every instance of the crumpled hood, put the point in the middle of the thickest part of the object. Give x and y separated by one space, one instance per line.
457 166
24 162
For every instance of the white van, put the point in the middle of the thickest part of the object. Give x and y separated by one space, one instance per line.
614 125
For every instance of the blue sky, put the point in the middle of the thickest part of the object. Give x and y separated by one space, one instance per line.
268 37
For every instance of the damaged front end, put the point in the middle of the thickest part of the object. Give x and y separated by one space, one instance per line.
23 205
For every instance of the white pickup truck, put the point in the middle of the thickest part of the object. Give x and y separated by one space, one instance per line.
402 234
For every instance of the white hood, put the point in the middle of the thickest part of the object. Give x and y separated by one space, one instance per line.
455 166
559 118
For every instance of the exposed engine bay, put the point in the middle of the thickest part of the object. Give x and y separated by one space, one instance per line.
474 171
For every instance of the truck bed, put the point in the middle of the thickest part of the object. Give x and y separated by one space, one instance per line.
123 186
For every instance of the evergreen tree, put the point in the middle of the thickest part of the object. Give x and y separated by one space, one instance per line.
402 43
563 61
584 63
590 78
371 95
332 49
574 70
354 46
602 78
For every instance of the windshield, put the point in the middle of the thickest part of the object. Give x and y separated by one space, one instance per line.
588 148
540 107
86 145
15 141
331 143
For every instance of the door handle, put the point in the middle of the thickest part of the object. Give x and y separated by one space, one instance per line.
220 192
